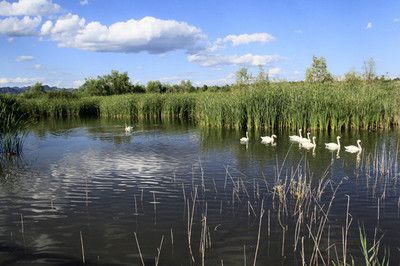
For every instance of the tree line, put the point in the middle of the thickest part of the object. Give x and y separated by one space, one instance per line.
117 83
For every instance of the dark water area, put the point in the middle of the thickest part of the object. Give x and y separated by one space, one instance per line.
85 190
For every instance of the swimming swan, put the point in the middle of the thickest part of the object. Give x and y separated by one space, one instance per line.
353 148
268 139
309 144
302 140
128 128
295 137
245 139
333 146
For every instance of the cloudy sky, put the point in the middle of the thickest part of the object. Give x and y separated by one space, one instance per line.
62 42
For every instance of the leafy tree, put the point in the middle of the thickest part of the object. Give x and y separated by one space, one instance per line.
37 88
187 86
262 79
118 83
154 87
243 79
318 72
369 70
114 83
95 87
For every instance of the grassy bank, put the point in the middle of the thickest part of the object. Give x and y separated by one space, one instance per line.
281 105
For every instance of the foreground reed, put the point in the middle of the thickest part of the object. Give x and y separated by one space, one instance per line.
301 215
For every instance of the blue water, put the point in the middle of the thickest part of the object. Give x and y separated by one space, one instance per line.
89 178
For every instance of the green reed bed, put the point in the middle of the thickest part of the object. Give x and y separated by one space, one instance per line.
12 126
59 107
280 105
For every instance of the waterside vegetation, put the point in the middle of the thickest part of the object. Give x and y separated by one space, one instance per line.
321 101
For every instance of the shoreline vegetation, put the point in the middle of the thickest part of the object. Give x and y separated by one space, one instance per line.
355 101
278 105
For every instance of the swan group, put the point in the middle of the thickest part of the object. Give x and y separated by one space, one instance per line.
308 143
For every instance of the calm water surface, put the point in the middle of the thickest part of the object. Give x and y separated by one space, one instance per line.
84 187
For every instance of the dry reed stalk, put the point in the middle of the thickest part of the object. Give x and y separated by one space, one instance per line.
138 246
259 231
244 255
134 196
345 233
303 259
22 224
83 250
269 222
190 222
215 186
297 231
157 259
283 241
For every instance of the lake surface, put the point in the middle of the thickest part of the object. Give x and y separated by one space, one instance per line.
87 191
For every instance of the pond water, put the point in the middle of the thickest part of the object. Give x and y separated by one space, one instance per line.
173 193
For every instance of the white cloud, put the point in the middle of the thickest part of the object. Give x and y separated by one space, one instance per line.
133 36
15 27
299 31
369 25
296 72
24 58
236 40
79 82
84 2
37 66
396 19
273 72
207 60
19 81
28 8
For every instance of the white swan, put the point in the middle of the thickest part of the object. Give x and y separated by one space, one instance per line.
245 139
309 144
333 146
353 148
302 140
267 139
295 137
128 128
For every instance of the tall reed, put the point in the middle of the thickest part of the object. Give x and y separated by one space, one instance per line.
12 126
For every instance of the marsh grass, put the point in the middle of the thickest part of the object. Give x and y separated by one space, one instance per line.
278 105
12 126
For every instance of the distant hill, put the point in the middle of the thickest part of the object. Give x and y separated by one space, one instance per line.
17 90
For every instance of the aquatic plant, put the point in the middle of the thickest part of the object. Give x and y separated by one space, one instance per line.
12 126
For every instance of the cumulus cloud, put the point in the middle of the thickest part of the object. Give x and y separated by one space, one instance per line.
24 58
236 40
28 8
15 27
248 60
133 36
369 25
19 81
273 72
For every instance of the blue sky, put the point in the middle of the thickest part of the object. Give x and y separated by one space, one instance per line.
62 42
